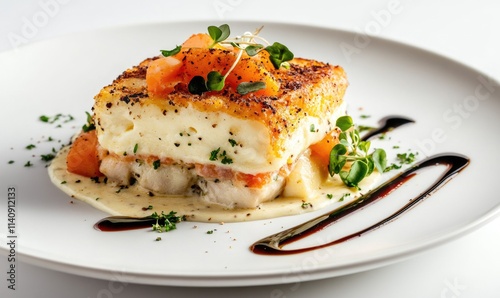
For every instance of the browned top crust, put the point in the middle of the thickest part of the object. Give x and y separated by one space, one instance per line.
307 88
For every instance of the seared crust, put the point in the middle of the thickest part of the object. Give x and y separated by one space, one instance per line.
308 88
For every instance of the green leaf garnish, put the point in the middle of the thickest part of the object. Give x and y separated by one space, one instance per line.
380 160
247 87
253 50
219 34
197 85
337 159
356 173
168 53
215 81
279 54
344 123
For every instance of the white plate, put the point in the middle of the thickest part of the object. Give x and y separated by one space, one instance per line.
456 109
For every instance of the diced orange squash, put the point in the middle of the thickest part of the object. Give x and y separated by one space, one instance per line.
322 149
82 158
198 59
162 75
200 40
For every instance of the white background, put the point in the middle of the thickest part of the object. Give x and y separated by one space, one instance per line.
465 31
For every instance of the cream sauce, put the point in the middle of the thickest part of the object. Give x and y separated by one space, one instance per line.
135 200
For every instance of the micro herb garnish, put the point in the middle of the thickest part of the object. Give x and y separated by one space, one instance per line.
219 34
355 151
279 55
247 87
168 53
329 196
90 123
166 222
156 164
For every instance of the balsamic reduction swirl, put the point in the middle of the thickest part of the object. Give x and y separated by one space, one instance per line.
273 245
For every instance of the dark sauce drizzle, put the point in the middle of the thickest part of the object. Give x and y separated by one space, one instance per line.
387 124
124 223
273 245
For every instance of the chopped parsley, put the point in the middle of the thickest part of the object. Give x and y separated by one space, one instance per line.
166 222
406 158
30 146
312 128
214 154
403 159
156 164
225 159
47 157
306 205
233 142
65 118
90 123
341 199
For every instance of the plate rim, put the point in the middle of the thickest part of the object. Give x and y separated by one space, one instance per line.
271 278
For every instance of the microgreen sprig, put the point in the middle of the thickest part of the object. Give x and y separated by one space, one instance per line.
352 149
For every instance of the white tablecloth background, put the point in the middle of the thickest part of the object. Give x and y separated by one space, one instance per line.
467 31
